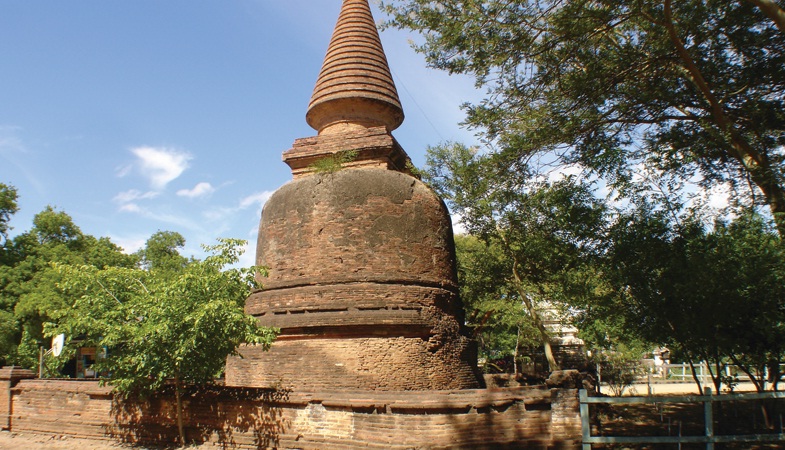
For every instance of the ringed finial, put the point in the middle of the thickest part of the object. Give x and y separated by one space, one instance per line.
355 88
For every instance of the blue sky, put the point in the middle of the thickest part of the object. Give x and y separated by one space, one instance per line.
146 115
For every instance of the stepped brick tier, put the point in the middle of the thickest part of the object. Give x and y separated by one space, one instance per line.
362 279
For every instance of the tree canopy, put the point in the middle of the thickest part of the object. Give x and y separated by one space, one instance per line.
159 325
8 206
160 315
28 282
162 252
646 271
542 238
714 295
692 88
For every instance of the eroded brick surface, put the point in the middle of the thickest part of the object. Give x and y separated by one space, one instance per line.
362 285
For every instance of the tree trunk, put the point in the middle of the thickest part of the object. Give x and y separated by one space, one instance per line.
759 383
716 375
774 374
695 376
515 354
538 323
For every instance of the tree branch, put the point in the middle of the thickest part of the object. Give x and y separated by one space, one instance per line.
107 291
772 10
750 159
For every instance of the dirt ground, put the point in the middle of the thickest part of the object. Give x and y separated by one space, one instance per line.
17 441
744 417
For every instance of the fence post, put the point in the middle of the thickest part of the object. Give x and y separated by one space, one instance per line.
585 419
708 417
703 367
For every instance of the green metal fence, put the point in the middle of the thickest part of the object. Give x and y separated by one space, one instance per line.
708 437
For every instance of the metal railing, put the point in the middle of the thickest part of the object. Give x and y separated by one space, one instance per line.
708 437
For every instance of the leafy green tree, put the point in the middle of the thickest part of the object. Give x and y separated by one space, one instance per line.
713 295
8 206
751 263
500 322
162 252
8 324
547 232
28 283
692 88
160 326
619 366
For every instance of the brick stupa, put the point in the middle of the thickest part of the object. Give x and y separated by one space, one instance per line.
362 279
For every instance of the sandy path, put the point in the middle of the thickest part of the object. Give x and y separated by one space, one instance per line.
16 441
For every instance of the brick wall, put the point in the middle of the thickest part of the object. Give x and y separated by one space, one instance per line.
522 417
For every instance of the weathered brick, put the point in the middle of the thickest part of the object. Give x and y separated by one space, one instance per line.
248 418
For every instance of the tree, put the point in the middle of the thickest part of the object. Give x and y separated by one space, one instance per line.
693 88
28 283
714 295
161 252
160 326
8 206
499 320
8 324
653 273
549 232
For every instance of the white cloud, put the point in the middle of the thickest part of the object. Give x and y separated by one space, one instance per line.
259 198
133 195
158 165
457 225
131 207
129 244
224 213
124 170
200 190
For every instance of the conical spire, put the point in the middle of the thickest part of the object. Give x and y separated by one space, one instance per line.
355 87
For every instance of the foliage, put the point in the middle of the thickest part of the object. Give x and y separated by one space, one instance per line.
691 88
335 162
158 325
8 206
545 233
500 323
162 252
28 291
161 327
653 272
619 367
711 294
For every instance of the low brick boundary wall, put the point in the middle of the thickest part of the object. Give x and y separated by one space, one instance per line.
508 418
